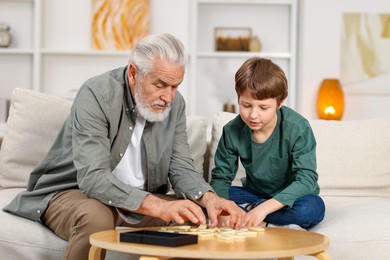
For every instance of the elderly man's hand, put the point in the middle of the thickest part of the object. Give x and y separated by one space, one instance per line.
179 211
217 206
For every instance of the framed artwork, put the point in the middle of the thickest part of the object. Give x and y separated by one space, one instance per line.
365 47
232 38
119 24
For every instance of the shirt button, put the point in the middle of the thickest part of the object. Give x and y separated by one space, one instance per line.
110 202
38 211
127 110
131 128
199 192
196 197
121 154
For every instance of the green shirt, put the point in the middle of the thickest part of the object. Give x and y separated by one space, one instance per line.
93 140
283 167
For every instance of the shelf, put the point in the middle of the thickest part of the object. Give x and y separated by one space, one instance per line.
17 51
212 72
239 55
16 1
240 2
85 52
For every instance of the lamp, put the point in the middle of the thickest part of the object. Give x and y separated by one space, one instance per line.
330 100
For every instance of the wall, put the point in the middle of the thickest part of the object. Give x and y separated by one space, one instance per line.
319 58
320 34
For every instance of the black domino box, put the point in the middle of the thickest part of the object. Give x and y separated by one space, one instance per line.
151 237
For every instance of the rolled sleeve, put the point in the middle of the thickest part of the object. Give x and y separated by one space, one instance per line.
186 182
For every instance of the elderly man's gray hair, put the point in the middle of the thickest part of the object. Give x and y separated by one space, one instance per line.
165 47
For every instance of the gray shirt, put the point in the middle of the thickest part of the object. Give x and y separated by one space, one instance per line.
93 140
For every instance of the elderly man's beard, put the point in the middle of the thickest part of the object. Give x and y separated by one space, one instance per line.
145 110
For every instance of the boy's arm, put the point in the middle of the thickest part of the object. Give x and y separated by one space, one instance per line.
304 166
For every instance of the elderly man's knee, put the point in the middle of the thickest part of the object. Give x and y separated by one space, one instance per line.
96 216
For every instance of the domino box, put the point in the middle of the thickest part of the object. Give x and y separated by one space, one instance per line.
158 238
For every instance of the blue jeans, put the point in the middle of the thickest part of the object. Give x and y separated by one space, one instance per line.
306 212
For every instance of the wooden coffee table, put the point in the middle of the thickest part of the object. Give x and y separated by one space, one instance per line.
278 243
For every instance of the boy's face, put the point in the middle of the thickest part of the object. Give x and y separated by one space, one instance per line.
258 115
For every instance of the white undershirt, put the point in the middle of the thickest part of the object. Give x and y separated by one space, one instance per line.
131 169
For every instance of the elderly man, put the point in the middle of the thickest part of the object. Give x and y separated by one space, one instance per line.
123 140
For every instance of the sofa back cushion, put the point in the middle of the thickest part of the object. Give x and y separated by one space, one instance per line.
35 120
197 139
353 157
33 123
220 119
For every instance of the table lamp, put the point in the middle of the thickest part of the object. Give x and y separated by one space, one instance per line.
330 100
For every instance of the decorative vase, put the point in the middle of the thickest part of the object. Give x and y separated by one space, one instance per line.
229 107
5 35
255 44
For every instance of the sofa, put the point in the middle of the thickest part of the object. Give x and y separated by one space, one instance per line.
353 165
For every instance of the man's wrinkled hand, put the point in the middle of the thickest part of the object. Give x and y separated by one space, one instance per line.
217 206
179 211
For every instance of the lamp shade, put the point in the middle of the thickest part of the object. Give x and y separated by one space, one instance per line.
330 100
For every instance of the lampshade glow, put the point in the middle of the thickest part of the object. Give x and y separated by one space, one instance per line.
330 100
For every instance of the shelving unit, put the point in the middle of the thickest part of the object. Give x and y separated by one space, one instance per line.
51 50
15 61
212 72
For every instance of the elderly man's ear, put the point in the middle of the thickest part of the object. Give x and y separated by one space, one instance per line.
132 74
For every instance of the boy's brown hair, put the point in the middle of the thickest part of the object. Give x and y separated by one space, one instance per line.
262 79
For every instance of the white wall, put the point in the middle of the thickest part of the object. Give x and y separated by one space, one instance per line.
320 43
171 16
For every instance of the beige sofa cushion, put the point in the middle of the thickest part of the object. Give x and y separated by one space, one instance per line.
34 121
197 139
220 119
32 126
357 227
353 157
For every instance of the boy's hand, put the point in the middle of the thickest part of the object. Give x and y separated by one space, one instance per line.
256 216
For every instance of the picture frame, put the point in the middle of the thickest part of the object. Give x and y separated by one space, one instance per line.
232 38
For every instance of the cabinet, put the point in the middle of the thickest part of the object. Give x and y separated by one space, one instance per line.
212 72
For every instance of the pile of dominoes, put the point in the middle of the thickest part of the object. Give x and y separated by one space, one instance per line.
204 231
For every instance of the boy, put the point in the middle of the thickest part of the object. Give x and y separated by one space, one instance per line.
277 148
